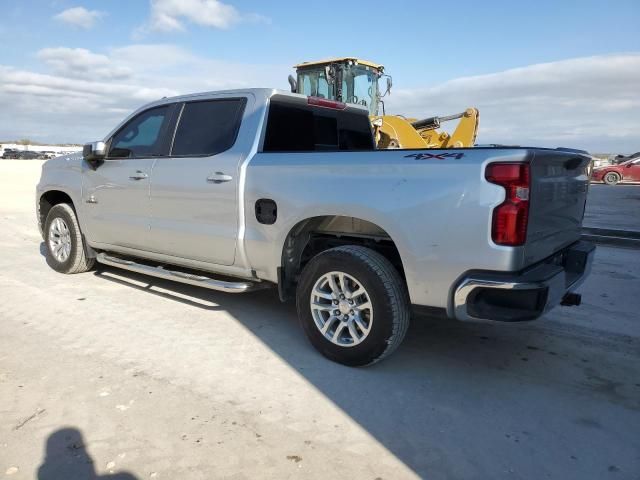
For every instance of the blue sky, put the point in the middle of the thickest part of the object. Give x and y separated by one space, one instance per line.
169 46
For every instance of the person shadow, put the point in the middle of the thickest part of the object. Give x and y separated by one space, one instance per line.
66 458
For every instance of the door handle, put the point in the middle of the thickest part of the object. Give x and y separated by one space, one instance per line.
219 177
139 175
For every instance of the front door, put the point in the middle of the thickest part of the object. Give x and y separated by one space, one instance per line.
116 194
194 191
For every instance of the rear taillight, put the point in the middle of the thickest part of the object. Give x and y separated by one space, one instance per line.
323 102
511 217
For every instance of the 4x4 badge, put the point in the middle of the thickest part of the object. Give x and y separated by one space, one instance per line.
435 156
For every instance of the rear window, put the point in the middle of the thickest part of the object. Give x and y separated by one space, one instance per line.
208 127
296 127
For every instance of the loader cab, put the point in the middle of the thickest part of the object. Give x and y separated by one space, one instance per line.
346 80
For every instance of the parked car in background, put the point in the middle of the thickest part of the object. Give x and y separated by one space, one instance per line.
29 155
627 172
10 153
618 159
47 154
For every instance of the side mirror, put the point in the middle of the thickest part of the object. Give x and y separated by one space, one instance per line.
293 84
389 85
94 153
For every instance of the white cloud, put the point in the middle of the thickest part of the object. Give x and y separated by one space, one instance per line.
85 94
170 15
82 63
589 103
79 17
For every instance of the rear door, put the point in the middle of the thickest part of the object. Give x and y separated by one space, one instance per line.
194 191
116 194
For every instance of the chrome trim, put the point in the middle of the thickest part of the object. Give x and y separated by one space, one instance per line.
175 128
468 285
556 285
219 177
139 175
182 277
179 262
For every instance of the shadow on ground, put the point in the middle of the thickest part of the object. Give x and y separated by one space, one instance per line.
487 395
66 458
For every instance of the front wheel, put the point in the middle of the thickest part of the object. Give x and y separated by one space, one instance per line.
65 251
612 178
353 305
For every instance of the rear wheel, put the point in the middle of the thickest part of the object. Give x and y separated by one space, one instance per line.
66 252
612 178
353 305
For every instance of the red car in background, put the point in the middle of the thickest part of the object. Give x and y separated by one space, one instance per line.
627 172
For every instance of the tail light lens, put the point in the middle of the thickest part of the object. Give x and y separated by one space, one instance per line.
511 217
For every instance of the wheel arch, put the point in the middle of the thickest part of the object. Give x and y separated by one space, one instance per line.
50 198
313 235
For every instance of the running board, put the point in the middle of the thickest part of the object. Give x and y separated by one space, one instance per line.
182 277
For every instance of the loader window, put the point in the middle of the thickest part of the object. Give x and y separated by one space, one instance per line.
314 84
293 126
360 86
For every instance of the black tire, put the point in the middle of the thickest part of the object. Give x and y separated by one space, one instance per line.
386 291
611 178
77 260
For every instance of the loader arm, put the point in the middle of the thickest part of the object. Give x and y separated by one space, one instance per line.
395 131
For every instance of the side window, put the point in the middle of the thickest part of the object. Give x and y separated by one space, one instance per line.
208 127
141 136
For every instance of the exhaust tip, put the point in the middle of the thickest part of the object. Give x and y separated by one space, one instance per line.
571 300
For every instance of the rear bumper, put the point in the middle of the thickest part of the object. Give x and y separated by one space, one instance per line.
525 295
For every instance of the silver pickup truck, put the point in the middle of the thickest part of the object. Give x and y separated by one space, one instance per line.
240 190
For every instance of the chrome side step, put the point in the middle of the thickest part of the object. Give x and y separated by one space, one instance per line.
182 277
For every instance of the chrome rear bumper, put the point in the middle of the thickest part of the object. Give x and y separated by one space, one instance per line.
526 295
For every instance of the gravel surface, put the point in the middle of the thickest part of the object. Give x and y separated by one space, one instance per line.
115 372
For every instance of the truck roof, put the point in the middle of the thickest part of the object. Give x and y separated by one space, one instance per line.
258 92
261 94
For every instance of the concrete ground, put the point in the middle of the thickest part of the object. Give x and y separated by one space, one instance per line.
115 372
613 207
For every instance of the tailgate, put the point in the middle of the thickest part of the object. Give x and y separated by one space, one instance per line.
559 186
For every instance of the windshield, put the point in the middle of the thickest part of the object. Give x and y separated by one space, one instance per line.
360 85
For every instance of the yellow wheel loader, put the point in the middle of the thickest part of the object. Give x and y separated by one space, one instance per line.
352 80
